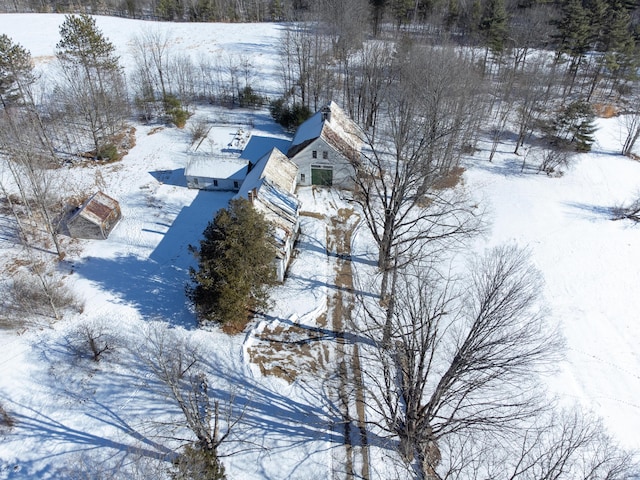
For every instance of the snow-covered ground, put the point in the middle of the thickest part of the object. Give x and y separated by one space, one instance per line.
69 411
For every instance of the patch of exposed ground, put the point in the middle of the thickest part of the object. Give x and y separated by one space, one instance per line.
350 386
288 350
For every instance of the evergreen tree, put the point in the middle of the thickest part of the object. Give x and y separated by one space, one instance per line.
235 265
620 56
494 25
15 71
94 85
574 127
401 10
574 30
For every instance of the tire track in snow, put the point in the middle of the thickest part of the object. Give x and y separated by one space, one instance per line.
350 385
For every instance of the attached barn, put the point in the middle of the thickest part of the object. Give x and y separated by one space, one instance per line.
326 147
270 187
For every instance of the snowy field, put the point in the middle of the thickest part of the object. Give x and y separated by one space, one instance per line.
70 412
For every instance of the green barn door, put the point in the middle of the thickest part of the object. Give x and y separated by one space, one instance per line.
321 175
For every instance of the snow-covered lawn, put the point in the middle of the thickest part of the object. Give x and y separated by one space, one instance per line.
68 410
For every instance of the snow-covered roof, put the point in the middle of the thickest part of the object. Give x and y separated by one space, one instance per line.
270 185
278 206
276 167
217 167
97 208
333 125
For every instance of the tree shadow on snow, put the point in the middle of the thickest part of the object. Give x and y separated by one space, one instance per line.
312 244
508 168
291 423
313 283
590 212
320 334
48 432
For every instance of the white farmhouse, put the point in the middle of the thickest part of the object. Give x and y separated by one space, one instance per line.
326 147
216 173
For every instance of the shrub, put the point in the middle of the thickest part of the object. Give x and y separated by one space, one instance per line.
175 112
108 153
198 464
288 117
199 130
92 340
5 419
247 97
40 294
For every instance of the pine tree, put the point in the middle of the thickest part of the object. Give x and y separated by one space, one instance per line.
620 48
235 265
574 30
401 10
15 71
494 25
94 85
574 127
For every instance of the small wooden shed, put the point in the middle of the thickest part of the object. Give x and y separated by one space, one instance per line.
95 218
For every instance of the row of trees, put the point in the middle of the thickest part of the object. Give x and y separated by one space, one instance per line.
452 364
169 10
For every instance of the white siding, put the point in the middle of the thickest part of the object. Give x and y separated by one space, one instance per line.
218 184
342 170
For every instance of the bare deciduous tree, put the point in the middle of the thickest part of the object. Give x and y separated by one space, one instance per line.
430 121
631 128
460 359
629 211
178 366
557 444
93 339
152 50
25 142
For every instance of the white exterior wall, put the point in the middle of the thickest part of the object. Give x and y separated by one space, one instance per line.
282 264
342 170
204 183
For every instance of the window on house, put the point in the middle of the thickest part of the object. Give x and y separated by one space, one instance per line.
302 178
314 154
325 155
236 185
195 181
215 183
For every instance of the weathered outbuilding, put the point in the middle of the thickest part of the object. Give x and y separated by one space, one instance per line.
95 218
270 187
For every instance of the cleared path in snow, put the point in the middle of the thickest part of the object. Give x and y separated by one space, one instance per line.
350 386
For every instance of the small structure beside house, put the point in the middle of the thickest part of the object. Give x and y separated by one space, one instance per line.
217 173
270 187
95 218
326 147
